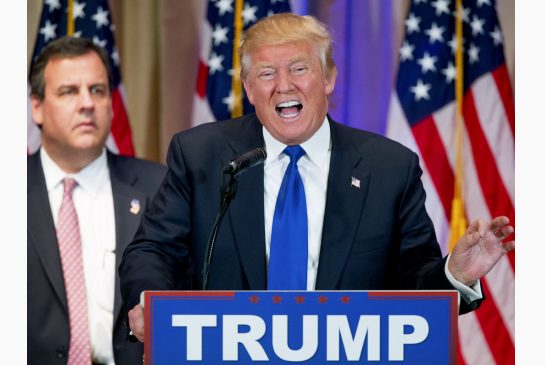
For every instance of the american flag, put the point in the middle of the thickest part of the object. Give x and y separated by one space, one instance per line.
423 117
90 19
215 98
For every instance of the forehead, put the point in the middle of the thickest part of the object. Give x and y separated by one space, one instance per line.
279 54
76 69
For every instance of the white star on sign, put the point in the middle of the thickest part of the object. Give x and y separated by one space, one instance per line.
449 72
427 63
441 6
53 4
412 23
101 17
48 30
477 26
473 53
497 36
214 63
220 34
248 14
420 90
435 33
225 6
78 10
406 51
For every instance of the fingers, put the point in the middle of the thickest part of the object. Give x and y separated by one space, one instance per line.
478 226
498 223
136 322
508 246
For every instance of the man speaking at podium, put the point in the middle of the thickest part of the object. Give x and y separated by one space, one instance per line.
331 207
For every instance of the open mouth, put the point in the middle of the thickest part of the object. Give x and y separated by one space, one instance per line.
289 109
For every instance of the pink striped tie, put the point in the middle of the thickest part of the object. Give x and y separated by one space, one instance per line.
68 237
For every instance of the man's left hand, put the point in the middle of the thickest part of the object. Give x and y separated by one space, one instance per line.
476 253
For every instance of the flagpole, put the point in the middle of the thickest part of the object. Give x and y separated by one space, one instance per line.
236 85
458 223
70 24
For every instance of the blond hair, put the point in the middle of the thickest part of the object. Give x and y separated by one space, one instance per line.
287 28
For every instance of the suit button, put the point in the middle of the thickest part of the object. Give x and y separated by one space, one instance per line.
61 352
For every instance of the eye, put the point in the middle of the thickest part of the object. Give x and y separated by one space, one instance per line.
266 75
66 91
98 90
299 70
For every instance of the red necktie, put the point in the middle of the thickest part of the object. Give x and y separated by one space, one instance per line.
69 240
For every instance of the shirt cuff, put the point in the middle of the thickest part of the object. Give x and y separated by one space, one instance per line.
467 293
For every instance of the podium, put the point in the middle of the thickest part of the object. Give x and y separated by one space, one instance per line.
308 327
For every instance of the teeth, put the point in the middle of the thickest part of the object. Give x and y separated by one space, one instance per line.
288 104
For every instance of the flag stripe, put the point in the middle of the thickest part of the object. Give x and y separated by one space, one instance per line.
202 77
434 156
121 129
494 330
501 76
496 129
475 350
494 191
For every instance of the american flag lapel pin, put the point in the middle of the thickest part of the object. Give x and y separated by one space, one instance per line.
135 206
355 182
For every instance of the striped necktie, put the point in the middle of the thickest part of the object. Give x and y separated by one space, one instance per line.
69 240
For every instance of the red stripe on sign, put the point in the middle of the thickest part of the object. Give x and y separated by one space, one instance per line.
494 330
121 129
492 186
501 77
435 158
202 78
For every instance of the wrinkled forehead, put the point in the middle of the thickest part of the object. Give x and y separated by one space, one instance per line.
77 69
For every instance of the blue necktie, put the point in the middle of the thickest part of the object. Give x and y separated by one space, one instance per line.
289 240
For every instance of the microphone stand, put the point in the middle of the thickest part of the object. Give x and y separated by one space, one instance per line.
227 196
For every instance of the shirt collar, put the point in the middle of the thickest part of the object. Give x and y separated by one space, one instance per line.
90 178
314 146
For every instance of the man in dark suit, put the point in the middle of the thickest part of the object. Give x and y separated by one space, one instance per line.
367 223
71 103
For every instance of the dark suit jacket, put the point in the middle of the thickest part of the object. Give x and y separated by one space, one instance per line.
375 236
47 320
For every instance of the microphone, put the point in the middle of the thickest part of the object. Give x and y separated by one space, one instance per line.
245 161
235 167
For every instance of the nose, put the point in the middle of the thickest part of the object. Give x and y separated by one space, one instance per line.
284 82
86 99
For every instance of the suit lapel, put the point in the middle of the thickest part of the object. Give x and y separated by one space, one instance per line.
347 189
125 197
246 211
41 227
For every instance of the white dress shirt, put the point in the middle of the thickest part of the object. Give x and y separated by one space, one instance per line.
95 208
314 170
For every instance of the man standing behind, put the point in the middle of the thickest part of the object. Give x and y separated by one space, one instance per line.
84 205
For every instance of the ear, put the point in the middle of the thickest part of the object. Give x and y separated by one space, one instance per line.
330 81
248 89
37 110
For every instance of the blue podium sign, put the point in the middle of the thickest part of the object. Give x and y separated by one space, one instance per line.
286 327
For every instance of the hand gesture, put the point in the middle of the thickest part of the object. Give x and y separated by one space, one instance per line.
476 253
